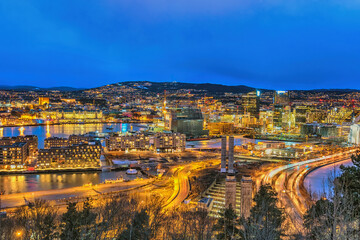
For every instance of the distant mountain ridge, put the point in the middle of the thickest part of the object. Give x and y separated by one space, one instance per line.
159 87
344 90
34 88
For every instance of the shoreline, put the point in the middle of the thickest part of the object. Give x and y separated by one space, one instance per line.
70 123
70 170
302 180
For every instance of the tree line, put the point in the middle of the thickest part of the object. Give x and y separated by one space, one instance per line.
131 217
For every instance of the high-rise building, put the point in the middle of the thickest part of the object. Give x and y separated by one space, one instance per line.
251 103
300 115
281 98
188 121
354 135
281 101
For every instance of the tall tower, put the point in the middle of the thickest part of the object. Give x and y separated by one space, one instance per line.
231 155
230 192
164 103
223 154
246 196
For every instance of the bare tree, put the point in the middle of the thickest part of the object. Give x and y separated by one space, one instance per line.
38 221
332 217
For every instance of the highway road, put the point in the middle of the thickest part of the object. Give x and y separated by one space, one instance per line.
180 175
287 181
181 181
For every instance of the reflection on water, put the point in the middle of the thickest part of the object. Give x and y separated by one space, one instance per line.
38 182
47 181
317 182
64 130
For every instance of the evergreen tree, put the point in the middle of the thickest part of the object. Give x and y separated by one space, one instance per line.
350 180
87 220
138 228
317 221
226 225
266 219
70 223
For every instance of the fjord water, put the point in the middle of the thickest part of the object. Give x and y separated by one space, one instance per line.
318 181
46 181
65 130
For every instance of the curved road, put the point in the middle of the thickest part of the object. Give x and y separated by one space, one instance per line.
287 182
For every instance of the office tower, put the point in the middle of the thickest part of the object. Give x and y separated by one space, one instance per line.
281 101
251 103
188 121
354 135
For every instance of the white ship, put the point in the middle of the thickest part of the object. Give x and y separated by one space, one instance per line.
131 171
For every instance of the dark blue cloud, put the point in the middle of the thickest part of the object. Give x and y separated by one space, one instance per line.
299 44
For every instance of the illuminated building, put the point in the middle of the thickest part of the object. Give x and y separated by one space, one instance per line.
286 152
85 155
354 134
14 155
159 142
55 142
281 98
44 101
251 103
188 121
69 100
78 139
72 115
323 130
309 129
220 128
65 142
268 144
31 140
128 142
339 115
281 101
329 130
301 115
205 204
169 142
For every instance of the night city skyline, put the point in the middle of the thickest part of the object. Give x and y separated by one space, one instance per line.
262 44
185 119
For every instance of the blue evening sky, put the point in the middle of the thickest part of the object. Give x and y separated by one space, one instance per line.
277 44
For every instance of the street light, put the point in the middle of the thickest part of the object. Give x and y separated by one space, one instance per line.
18 234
